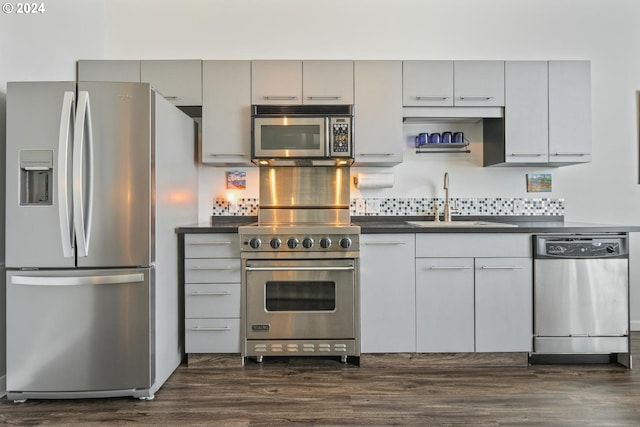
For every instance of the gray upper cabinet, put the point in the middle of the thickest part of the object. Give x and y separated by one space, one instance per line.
378 137
478 83
276 82
226 112
179 81
427 83
453 84
327 82
569 112
287 82
547 115
108 71
526 112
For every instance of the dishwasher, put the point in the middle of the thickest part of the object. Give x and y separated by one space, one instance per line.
581 298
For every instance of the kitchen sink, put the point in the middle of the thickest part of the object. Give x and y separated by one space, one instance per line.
460 224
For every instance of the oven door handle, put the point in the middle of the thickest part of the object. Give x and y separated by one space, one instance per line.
348 268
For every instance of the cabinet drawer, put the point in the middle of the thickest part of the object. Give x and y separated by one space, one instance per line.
473 245
222 245
212 335
201 270
209 300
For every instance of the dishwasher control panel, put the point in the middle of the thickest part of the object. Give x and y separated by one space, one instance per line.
576 246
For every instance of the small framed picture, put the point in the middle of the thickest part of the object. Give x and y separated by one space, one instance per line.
236 180
538 182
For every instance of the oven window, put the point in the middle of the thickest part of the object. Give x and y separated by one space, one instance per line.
300 296
290 137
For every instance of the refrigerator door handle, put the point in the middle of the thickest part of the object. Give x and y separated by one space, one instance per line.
82 209
76 281
64 213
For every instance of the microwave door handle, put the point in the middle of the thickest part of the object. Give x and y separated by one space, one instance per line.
82 218
64 213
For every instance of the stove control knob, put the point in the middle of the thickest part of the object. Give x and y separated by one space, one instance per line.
275 243
292 243
254 243
345 243
307 242
325 243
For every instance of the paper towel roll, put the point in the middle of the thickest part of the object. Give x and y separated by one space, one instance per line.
374 180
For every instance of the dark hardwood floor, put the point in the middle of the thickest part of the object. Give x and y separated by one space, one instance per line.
384 390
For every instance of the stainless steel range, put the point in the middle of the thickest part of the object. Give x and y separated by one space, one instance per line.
300 267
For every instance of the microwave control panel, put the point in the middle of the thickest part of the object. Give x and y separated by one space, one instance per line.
340 134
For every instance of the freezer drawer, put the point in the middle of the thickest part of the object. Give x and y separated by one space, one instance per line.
78 331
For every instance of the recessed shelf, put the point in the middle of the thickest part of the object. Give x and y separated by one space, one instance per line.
462 147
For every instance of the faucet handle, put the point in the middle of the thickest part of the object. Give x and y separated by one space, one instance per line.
436 215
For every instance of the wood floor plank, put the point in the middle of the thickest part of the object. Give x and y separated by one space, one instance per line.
407 391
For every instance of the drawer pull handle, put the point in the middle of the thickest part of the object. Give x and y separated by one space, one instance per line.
204 328
527 154
498 267
280 98
431 98
227 155
476 98
324 98
449 267
374 154
212 268
570 154
198 293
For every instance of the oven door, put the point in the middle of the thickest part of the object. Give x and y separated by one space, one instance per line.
300 299
283 137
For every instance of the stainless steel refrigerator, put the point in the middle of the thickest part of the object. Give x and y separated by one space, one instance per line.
98 176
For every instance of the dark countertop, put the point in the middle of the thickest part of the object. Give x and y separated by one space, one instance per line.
398 224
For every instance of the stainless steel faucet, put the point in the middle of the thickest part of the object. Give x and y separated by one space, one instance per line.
447 205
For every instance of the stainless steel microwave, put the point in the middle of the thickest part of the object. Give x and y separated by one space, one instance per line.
302 134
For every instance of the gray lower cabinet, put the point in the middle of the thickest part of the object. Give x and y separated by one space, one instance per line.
474 293
212 293
444 305
387 293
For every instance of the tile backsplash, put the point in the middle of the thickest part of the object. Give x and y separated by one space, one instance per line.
399 206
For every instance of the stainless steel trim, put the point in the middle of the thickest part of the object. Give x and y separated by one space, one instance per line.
82 219
351 267
66 117
77 281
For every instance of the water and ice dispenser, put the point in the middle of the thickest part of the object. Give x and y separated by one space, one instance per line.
36 177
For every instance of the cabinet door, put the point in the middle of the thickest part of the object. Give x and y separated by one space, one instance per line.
526 112
427 83
504 290
276 82
179 81
569 111
327 82
478 83
108 71
226 112
212 335
444 305
387 295
378 137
